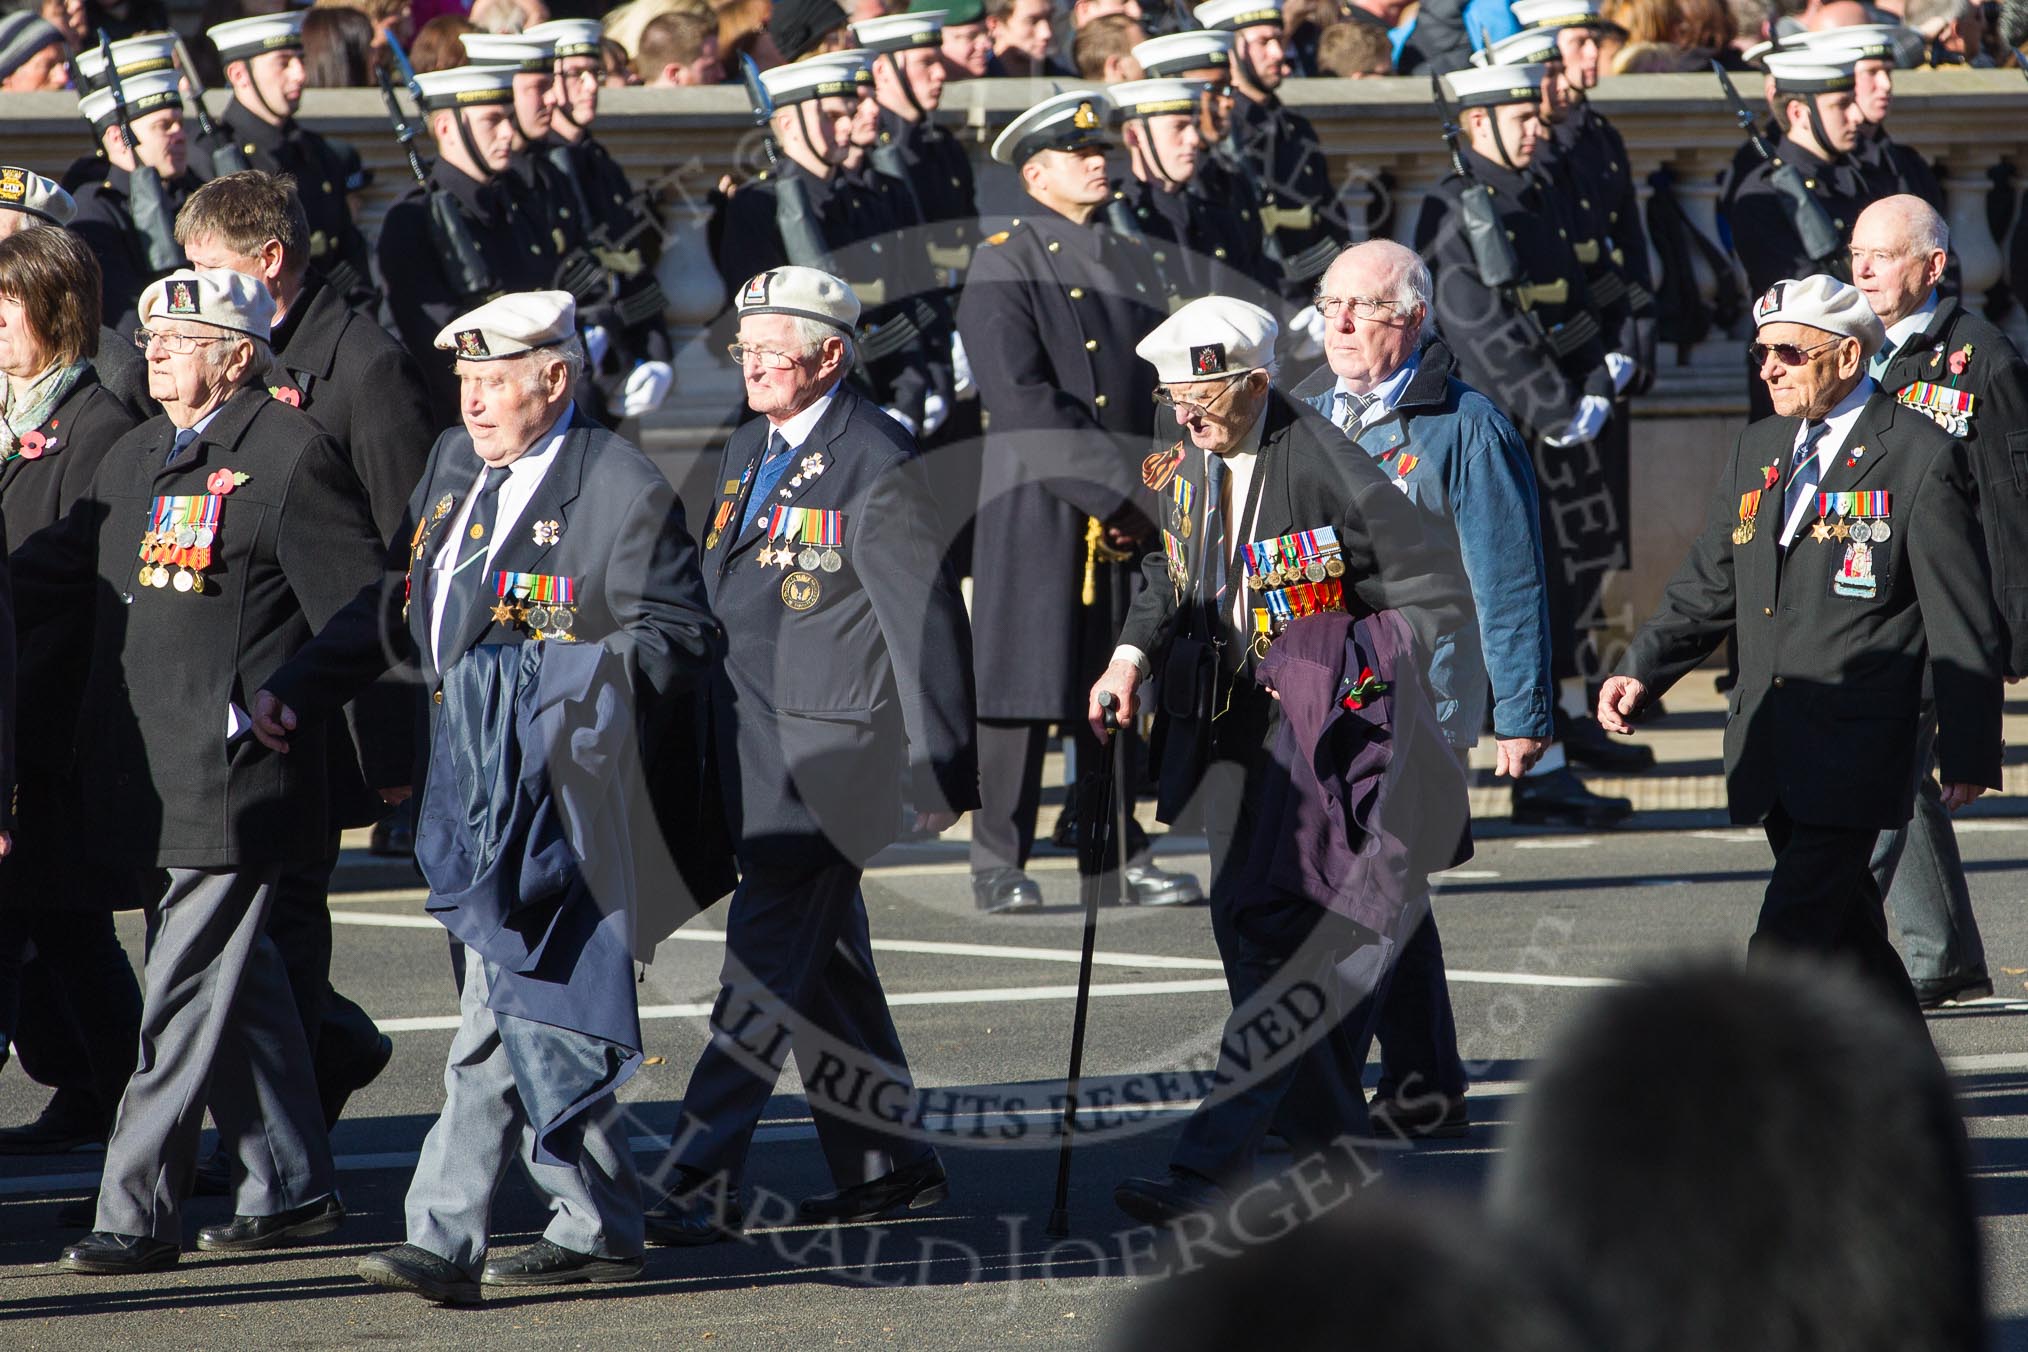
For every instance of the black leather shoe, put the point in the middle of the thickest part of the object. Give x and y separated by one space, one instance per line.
1586 743
337 1083
213 1177
1147 885
407 1268
998 891
1164 1201
241 1233
545 1264
1560 798
104 1254
694 1213
70 1121
1952 990
1426 1117
909 1188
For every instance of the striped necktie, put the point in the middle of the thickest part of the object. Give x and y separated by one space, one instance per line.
1804 470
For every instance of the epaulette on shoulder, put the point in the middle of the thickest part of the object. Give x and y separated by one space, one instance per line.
998 237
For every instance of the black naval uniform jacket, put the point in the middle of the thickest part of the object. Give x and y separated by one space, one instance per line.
1210 707
840 686
1203 247
1889 167
857 223
105 224
1587 158
940 174
1968 377
294 543
1050 314
325 172
629 236
1280 152
1763 223
1497 345
517 248
1823 718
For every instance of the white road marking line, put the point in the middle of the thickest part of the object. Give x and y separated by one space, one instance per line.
1729 837
1558 843
1462 875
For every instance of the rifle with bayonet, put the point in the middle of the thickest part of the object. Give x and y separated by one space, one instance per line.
147 196
226 156
464 266
1820 239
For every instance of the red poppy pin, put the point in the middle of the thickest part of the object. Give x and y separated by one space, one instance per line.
1960 359
1358 694
1774 474
288 394
33 444
223 481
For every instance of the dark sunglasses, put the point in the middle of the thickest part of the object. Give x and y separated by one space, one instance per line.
1788 354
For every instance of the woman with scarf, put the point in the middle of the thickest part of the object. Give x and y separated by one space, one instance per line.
68 998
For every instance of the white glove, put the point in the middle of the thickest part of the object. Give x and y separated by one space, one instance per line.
935 413
1621 368
646 388
1307 326
596 341
961 368
1586 423
901 418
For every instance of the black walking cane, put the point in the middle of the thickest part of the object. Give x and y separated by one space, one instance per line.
1101 822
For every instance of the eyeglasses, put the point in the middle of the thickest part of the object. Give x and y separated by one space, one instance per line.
182 344
770 361
1185 404
1788 354
1363 307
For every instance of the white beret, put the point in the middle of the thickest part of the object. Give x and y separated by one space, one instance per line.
1237 14
131 57
242 38
1073 120
465 86
25 190
1530 46
220 297
513 324
145 94
804 292
571 37
1180 53
1822 302
898 32
1491 86
523 51
1208 338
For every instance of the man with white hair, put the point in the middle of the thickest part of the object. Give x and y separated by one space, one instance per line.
1843 555
1943 360
1390 384
537 544
1953 31
215 539
1265 516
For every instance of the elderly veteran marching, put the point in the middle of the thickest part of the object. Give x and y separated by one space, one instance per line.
1267 517
847 679
550 579
1843 553
213 542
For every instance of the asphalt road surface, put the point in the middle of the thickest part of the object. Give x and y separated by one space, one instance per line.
1531 926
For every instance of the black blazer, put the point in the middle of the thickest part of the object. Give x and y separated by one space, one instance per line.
839 685
1823 717
1395 559
293 545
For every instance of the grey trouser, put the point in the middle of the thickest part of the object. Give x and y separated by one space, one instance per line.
218 1025
1923 878
484 1126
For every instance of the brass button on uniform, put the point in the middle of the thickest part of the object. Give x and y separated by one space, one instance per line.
1778 682
1054 246
1098 401
438 697
1767 610
1077 293
1091 344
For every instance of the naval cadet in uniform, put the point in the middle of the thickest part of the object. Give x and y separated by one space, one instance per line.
1535 348
133 251
1843 553
1886 165
1050 314
846 688
263 60
471 118
359 385
528 523
1946 362
1266 515
1202 247
212 543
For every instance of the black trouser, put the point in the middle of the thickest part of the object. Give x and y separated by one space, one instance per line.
340 1034
1010 786
73 1005
1822 900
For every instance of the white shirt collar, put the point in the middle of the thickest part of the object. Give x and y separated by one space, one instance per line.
1909 325
1381 399
797 430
